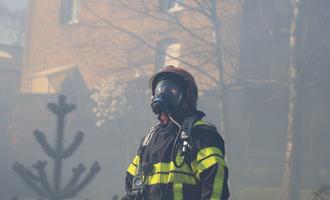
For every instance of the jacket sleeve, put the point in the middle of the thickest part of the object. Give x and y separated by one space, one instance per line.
131 172
209 164
128 182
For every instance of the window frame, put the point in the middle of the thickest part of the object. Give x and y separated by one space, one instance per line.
163 53
70 12
172 5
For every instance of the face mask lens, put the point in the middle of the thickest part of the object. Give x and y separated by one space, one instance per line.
170 90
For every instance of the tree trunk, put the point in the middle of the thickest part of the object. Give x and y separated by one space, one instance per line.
291 178
221 84
221 87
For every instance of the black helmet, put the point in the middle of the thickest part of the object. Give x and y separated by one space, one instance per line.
190 90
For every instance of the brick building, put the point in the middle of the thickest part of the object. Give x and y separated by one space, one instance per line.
125 38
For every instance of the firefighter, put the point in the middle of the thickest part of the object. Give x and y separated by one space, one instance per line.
182 156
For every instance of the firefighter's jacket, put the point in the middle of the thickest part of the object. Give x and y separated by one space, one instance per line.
202 177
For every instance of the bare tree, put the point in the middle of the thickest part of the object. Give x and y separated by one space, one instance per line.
206 42
291 179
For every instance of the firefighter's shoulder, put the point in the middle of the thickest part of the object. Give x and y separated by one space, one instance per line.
205 134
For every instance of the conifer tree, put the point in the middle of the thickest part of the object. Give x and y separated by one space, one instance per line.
39 182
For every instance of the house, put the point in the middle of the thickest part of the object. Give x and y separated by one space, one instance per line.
126 39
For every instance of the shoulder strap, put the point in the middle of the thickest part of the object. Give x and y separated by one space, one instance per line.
185 135
190 121
188 124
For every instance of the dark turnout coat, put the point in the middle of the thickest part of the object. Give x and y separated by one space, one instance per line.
203 176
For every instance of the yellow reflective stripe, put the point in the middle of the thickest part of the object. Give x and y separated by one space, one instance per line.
172 177
208 151
168 173
206 158
218 183
201 122
165 172
194 168
136 160
177 191
132 169
210 161
168 167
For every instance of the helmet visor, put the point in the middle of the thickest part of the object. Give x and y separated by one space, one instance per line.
170 90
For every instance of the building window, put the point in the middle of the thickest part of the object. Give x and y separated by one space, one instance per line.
168 54
70 11
172 5
172 54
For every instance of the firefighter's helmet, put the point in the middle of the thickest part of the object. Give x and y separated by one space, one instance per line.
186 80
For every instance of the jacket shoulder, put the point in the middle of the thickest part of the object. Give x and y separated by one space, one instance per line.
205 134
204 125
145 140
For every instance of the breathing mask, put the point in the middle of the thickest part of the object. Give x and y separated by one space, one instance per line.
167 95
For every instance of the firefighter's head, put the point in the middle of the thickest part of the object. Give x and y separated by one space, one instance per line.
174 91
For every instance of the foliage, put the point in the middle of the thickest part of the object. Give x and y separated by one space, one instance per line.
323 193
110 100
